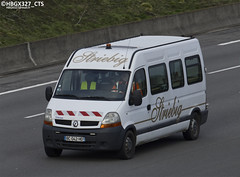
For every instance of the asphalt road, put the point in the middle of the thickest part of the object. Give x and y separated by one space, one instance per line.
215 153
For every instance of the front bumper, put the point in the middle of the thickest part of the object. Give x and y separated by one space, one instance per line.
96 139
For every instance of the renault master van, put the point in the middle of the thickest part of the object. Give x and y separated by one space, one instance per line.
120 95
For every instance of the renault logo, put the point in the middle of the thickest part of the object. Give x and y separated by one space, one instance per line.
75 123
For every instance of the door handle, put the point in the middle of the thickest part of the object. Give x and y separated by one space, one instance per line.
149 107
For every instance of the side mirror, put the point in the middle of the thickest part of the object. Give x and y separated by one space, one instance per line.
48 93
135 98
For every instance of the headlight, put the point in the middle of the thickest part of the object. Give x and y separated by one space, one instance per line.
48 117
111 119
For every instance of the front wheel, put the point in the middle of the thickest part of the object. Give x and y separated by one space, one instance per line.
51 152
194 128
128 147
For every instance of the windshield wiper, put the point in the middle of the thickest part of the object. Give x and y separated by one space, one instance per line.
67 95
94 98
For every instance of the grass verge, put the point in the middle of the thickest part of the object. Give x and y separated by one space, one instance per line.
62 17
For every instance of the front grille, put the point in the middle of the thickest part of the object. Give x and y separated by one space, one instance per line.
82 123
63 122
89 123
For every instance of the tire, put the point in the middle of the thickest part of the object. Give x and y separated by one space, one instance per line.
128 147
194 128
51 152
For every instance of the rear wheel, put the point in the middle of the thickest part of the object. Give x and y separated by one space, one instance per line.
128 147
51 152
194 128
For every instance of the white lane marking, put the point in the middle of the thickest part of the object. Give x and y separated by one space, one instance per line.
32 116
226 69
230 42
25 88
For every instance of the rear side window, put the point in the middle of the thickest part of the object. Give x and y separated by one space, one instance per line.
158 78
194 69
176 71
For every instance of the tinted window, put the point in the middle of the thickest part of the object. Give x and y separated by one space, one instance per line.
176 71
194 69
158 78
139 82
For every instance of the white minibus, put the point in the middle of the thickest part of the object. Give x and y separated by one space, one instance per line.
123 94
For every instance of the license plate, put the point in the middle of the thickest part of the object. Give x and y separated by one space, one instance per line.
74 138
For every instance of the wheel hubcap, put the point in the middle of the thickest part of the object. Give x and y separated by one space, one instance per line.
194 127
128 144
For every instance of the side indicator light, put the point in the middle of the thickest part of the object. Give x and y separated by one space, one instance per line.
111 125
48 123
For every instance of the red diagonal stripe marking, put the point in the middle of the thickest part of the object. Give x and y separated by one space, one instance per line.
60 113
84 113
97 114
70 113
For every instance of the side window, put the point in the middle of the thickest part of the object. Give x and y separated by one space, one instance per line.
139 82
176 71
194 69
158 78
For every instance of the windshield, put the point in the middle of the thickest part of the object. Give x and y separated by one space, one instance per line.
92 85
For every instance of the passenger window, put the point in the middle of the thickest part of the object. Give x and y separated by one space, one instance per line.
194 69
158 78
139 82
176 71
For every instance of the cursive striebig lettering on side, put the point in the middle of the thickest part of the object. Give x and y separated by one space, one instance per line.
160 112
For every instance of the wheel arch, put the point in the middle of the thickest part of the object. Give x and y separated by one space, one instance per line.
196 110
131 128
